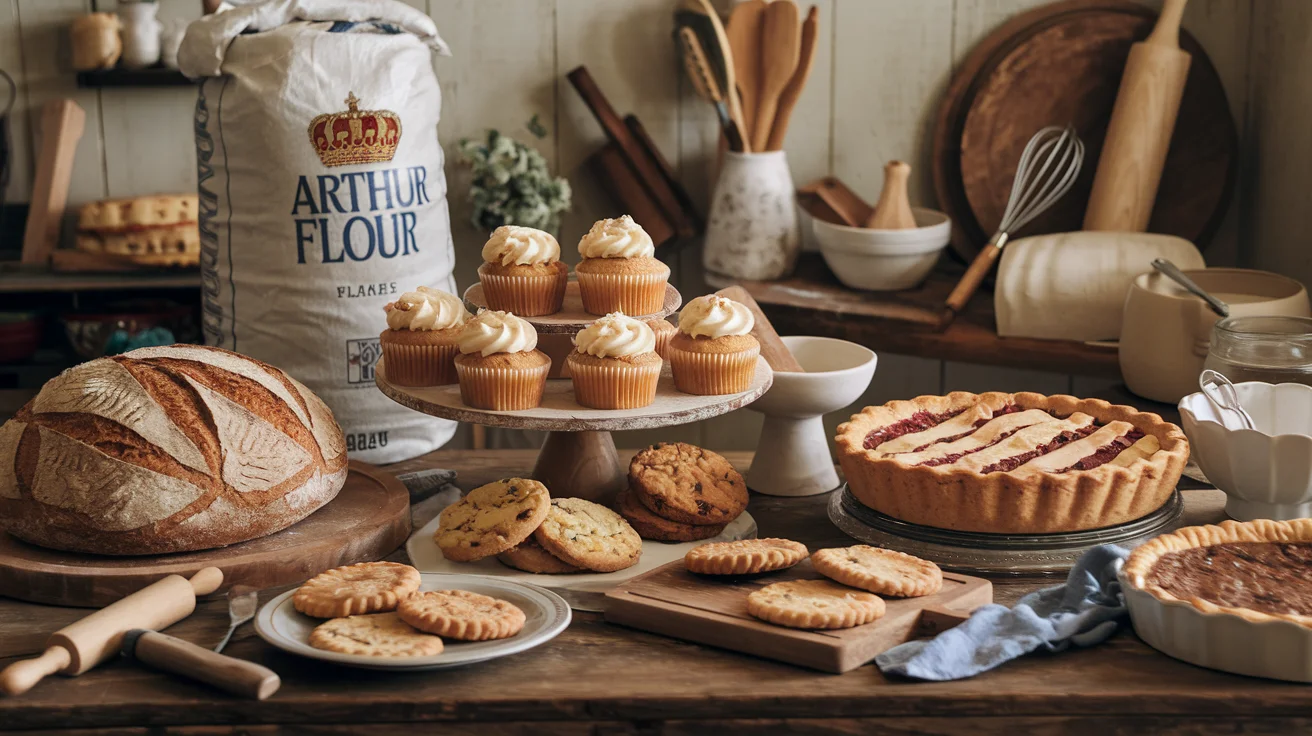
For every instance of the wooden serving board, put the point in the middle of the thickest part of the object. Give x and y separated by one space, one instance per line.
368 520
1062 63
674 602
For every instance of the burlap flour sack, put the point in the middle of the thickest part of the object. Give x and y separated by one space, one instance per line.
322 195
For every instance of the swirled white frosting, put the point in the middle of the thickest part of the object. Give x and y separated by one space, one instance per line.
617 238
615 336
514 245
491 332
426 309
715 316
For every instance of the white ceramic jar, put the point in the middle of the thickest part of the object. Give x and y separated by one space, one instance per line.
752 232
140 33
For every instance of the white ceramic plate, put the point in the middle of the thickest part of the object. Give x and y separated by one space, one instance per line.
547 614
425 556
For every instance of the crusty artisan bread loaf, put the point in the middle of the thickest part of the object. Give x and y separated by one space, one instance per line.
167 449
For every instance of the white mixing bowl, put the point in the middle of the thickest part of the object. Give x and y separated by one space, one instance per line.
884 260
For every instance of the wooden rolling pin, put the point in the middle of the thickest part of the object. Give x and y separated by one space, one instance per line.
80 646
773 349
1139 134
893 210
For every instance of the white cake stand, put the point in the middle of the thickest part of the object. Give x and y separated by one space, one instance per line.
579 458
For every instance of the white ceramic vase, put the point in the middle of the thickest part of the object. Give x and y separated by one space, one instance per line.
141 30
752 232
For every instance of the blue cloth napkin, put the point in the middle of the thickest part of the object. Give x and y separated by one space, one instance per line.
1085 611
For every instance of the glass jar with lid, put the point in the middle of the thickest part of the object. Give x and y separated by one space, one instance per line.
1269 349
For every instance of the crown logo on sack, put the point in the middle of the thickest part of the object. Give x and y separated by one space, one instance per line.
355 136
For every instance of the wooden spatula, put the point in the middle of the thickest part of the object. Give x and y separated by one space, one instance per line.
788 98
893 210
744 32
781 43
775 352
846 203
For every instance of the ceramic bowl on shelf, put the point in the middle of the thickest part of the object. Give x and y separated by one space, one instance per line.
884 260
1266 472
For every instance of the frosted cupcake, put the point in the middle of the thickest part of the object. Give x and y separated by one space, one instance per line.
714 351
419 344
522 272
664 331
619 271
614 364
499 365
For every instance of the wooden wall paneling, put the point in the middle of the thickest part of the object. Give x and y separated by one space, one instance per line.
975 19
49 75
1280 117
11 60
499 75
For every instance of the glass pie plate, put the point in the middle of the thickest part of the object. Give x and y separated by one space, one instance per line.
995 554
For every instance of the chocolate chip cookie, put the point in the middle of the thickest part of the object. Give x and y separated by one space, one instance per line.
687 484
651 526
491 519
589 535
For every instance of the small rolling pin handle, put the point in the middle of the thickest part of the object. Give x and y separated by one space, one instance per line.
171 654
20 677
206 580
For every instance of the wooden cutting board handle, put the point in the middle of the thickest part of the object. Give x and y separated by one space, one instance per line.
1139 134
62 123
84 644
893 210
773 349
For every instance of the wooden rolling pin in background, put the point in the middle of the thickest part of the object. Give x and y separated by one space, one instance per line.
1139 134
775 352
97 638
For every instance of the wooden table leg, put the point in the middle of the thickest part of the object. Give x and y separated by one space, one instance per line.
581 464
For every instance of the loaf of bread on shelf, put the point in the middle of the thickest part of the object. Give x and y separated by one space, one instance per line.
136 213
167 449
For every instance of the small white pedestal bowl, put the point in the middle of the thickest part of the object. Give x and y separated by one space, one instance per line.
792 458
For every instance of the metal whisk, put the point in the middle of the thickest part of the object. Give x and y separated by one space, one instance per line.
1048 167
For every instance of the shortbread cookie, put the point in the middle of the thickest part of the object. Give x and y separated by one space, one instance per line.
587 534
529 556
879 570
491 519
374 635
685 483
460 614
368 587
744 557
814 604
651 526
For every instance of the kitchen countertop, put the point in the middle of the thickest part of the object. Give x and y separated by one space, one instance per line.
599 678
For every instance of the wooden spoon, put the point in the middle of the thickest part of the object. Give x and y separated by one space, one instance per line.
744 31
893 210
788 98
780 49
773 349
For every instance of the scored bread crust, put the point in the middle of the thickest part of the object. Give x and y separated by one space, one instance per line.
1018 501
1141 562
126 455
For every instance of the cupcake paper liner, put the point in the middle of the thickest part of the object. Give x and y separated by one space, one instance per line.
420 365
713 374
619 386
502 389
663 344
633 294
525 296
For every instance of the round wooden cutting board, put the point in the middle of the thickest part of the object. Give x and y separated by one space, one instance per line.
368 520
1059 64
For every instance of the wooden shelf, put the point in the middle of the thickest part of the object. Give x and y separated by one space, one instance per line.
23 281
155 76
813 302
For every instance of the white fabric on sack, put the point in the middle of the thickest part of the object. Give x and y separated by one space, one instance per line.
298 253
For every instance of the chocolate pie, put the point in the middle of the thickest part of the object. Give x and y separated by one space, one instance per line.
1011 463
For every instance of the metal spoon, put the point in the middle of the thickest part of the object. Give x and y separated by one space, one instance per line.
1218 390
1172 272
242 602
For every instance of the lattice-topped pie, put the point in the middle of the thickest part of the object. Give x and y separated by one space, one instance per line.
1011 463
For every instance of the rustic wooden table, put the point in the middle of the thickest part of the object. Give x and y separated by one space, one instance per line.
598 678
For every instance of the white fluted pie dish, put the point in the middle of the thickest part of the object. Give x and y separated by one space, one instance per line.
1266 472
